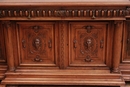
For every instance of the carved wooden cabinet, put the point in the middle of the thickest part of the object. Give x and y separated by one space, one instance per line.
64 43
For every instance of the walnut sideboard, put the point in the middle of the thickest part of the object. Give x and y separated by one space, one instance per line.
71 42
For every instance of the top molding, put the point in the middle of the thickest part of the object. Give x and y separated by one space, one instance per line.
4 3
63 0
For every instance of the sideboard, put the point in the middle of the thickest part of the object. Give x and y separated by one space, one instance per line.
72 42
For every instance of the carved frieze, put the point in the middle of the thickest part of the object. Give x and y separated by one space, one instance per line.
92 13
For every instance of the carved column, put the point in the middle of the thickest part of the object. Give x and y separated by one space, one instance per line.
9 45
117 46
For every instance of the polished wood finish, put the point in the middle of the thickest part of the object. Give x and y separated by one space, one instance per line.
64 42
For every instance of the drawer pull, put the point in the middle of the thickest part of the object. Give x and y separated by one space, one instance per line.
128 40
37 59
50 44
75 41
101 43
23 44
88 59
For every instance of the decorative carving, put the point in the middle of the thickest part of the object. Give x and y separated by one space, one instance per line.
82 52
101 43
61 13
75 41
38 40
88 44
36 28
62 44
92 13
23 44
50 43
88 28
37 59
88 59
37 43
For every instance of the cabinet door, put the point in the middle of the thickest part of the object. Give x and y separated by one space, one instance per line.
87 44
37 43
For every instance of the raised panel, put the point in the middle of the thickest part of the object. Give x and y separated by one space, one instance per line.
87 44
36 43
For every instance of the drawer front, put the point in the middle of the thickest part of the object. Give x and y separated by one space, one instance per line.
87 44
36 43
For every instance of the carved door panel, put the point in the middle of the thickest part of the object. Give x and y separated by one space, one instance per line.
126 43
36 43
87 44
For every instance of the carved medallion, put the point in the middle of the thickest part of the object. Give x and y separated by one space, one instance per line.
88 44
37 43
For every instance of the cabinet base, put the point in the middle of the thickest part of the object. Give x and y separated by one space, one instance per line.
64 77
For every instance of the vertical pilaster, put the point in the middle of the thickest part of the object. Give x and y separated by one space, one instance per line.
117 43
9 44
63 44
